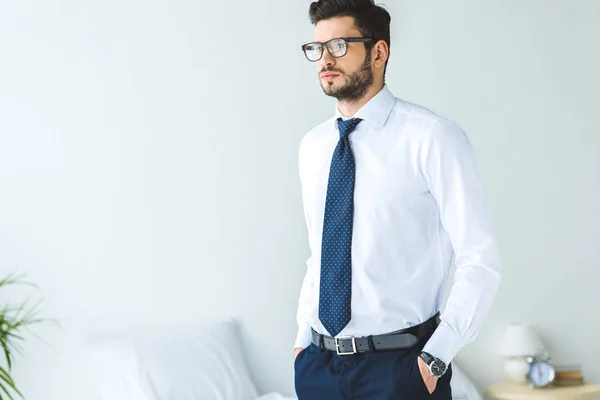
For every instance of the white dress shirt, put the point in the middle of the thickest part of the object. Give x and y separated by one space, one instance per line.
418 200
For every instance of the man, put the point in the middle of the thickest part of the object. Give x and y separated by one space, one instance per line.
390 193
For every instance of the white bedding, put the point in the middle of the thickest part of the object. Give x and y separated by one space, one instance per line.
274 396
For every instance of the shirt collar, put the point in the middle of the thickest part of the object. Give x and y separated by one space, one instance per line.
376 110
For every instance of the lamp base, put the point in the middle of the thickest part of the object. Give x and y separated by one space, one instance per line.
517 369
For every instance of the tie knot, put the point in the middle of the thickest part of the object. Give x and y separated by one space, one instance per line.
347 126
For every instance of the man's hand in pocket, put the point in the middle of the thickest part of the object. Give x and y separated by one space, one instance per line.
296 351
430 380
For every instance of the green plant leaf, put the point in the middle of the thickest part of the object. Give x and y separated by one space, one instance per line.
7 354
6 376
12 279
12 320
6 390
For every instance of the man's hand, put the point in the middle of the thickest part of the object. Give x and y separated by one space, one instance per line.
430 380
296 351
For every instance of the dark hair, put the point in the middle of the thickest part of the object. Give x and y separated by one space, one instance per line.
371 20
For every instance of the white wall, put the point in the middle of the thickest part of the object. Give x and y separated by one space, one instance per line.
148 164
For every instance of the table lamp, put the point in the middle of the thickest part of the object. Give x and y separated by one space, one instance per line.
520 342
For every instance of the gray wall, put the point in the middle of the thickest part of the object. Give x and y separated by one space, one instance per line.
148 165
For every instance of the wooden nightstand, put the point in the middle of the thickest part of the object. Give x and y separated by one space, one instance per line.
523 391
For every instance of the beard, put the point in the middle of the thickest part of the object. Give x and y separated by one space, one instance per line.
356 86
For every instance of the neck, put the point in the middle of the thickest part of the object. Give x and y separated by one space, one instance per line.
348 109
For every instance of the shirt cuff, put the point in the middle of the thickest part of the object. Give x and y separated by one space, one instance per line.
304 338
444 343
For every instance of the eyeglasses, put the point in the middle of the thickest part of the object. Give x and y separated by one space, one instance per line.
337 47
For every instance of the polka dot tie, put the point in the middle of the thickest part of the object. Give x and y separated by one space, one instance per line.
336 272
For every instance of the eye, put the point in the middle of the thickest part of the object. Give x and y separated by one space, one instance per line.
338 45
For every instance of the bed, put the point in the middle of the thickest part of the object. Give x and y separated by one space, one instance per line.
189 364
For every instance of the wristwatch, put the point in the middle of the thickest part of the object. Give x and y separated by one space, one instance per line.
436 366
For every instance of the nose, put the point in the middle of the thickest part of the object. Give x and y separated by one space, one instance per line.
326 60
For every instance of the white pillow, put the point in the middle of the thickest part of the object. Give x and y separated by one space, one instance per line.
185 364
114 367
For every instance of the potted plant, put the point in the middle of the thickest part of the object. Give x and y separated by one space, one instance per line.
12 321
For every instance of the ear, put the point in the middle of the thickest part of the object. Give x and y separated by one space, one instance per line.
381 53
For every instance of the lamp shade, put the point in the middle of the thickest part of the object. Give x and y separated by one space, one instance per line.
520 340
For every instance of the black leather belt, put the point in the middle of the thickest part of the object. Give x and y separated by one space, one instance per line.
402 339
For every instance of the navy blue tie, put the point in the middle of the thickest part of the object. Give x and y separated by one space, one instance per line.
335 291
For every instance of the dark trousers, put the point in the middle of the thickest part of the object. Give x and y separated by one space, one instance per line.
321 374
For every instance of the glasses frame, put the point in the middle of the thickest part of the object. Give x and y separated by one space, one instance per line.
325 45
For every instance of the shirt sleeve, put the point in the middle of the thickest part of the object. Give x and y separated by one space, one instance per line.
304 336
450 168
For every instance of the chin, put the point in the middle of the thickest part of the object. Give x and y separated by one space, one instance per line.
329 87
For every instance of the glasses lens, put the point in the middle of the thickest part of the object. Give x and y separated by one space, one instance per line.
337 47
313 51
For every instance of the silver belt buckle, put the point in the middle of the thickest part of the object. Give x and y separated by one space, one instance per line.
337 345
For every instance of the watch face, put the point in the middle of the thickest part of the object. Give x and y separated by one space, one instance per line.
541 373
438 367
